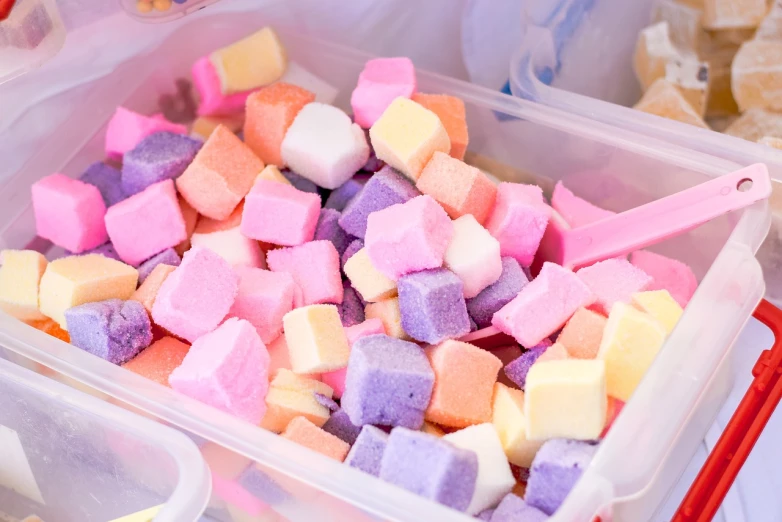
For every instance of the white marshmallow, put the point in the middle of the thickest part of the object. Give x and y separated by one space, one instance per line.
232 246
473 255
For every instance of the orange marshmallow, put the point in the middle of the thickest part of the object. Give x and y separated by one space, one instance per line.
147 292
208 225
450 110
190 216
50 327
292 396
389 313
582 334
158 361
555 352
303 432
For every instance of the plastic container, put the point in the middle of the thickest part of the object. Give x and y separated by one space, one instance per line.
513 139
68 457
30 34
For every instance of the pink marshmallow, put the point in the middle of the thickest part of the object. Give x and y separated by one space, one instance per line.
233 246
336 379
264 298
667 274
126 129
576 211
408 237
381 81
543 306
197 296
213 101
235 495
315 269
519 220
280 214
613 281
227 369
69 213
146 223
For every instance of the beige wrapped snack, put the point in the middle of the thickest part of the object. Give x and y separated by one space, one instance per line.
755 124
691 77
732 14
653 50
756 75
664 99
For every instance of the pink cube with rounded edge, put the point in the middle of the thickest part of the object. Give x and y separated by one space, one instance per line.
263 298
336 379
577 212
315 269
379 83
197 296
69 213
307 434
228 369
213 101
127 128
543 306
582 334
408 237
519 220
667 274
280 214
146 223
613 281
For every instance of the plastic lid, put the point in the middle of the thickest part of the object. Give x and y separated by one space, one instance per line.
162 10
31 32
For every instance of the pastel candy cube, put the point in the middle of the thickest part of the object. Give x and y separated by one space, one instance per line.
514 509
380 82
220 175
483 306
340 426
556 469
336 379
555 352
664 99
204 126
212 100
226 239
582 334
291 396
314 267
259 484
305 433
389 382
316 339
341 196
351 310
328 229
565 399
366 453
299 182
511 425
20 280
613 281
69 213
532 315
327 158
452 114
107 180
631 341
166 257
519 220
197 296
722 14
113 330
653 51
495 479
158 157
516 370
660 305
106 250
158 361
296 74
432 306
473 255
272 173
667 274
126 129
50 327
389 313
263 299
368 280
575 211
254 61
350 251
71 281
270 111
280 214
612 412
147 291
755 124
430 467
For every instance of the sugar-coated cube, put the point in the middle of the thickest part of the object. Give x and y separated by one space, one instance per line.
389 382
106 250
159 360
236 502
473 255
388 311
660 305
684 23
190 215
664 99
430 467
452 114
556 469
126 129
280 214
464 384
350 251
299 182
272 173
341 196
229 243
514 509
71 281
432 307
582 334
351 310
615 407
227 368
653 51
114 330
107 180
755 124
630 343
50 327
543 306
756 75
577 212
263 299
254 61
367 450
147 291
613 281
314 267
69 213
667 274
196 296
166 257
20 280
518 221
340 426
328 229
305 433
158 157
407 135
270 111
368 280
380 82
511 425
691 77
220 175
483 306
555 352
408 237
732 14
259 484
565 399
771 26
212 101
291 396
316 339
204 126
336 379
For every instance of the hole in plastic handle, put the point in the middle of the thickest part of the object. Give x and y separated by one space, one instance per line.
744 185
725 461
5 8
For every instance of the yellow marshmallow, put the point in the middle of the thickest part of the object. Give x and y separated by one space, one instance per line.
272 173
367 280
316 340
292 395
630 343
146 515
565 399
252 62
407 135
511 425
660 305
203 126
20 277
75 280
388 312
432 429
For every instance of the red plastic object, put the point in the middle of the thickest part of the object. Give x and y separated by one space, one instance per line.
725 461
5 8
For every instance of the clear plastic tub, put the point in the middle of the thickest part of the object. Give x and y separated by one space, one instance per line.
512 139
31 34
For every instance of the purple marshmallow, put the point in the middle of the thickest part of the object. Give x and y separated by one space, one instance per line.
373 164
431 303
389 382
106 250
351 310
326 402
260 485
483 306
518 368
299 182
485 515
158 157
387 187
555 470
341 196
352 248
430 467
328 229
513 509
114 330
340 426
107 180
367 450
166 257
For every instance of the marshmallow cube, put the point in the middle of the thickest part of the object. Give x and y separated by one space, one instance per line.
575 211
190 215
254 61
407 135
350 251
291 396
543 306
226 239
197 296
664 99
203 126
147 291
483 306
380 82
20 280
260 485
220 175
495 479
473 255
270 112
556 469
555 352
212 100
336 379
158 361
351 310
166 257
667 274
50 327
328 229
367 280
430 467
514 509
314 267
280 214
305 433
126 129
453 116
69 213
613 281
582 334
341 196
227 368
327 158
263 299
107 180
106 250
340 426
519 220
432 306
389 382
516 370
660 305
316 339
114 330
367 450
299 182
511 426
272 173
158 157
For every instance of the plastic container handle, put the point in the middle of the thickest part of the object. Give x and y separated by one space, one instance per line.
5 8
734 446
